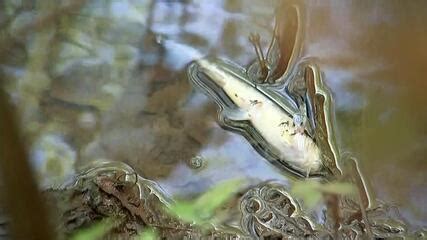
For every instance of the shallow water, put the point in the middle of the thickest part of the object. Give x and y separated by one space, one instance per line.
373 56
115 87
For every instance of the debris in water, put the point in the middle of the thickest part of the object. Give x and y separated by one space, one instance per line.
112 190
196 162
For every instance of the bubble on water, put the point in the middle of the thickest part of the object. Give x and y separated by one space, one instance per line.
196 162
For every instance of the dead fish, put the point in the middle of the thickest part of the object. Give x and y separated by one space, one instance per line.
272 123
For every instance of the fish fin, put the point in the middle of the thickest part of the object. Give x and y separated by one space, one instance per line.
236 115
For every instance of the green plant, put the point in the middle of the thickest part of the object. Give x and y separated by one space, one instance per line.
310 191
96 231
147 234
201 210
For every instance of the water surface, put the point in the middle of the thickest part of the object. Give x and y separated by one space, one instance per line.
110 81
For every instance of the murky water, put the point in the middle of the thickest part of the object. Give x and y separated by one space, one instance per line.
110 81
372 55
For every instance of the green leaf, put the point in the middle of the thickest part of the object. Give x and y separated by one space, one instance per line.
147 234
185 211
215 197
202 208
307 191
338 188
310 191
96 231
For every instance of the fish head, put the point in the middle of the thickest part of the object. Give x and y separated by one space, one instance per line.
223 80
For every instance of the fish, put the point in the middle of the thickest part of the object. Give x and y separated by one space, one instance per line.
273 123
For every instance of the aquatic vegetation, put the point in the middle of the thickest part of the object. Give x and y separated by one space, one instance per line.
96 231
147 234
311 191
201 210
112 190
131 205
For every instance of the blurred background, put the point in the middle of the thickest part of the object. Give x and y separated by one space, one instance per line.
106 80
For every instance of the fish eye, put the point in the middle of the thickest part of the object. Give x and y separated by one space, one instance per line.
298 119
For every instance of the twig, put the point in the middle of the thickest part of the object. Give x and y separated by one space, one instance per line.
363 196
254 38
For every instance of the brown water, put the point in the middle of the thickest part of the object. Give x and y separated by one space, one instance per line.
373 55
111 83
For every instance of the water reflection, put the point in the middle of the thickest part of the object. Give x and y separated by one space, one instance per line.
372 56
